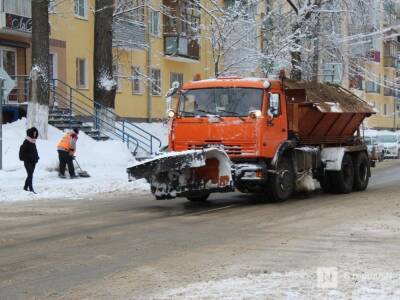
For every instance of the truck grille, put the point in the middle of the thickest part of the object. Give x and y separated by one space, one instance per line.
230 149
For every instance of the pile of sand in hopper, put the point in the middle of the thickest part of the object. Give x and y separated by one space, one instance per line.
325 95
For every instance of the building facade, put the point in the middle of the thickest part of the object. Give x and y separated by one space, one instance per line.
151 50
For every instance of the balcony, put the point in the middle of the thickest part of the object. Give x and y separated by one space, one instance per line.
374 55
181 29
16 7
15 16
388 92
181 48
390 62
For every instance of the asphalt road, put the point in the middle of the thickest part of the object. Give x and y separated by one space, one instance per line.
131 246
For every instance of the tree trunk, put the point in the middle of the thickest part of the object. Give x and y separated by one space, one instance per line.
38 106
295 73
315 36
104 85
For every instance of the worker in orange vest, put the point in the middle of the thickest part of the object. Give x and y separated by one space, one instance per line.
66 151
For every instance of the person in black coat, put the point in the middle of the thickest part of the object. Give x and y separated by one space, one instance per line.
29 155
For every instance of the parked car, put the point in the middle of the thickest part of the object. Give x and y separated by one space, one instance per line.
391 144
375 150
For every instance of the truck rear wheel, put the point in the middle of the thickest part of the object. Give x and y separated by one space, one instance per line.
343 180
281 185
361 171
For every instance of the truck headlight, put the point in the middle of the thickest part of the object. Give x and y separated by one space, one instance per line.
171 114
254 114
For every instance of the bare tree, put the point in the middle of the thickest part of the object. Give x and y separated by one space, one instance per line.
38 106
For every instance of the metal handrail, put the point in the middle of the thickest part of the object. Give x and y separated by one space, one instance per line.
111 129
143 139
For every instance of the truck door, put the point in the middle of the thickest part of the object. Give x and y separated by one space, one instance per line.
276 131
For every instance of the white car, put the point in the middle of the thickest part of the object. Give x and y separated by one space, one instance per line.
375 150
390 143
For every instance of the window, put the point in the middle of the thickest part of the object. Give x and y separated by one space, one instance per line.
52 6
117 72
178 77
385 113
274 105
155 23
80 8
156 82
53 66
81 73
8 61
136 82
373 87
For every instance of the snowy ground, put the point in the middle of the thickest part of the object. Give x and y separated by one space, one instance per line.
329 283
106 162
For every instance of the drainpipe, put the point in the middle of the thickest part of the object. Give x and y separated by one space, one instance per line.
148 65
394 113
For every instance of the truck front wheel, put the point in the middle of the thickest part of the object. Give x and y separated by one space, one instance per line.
344 179
202 197
281 185
361 171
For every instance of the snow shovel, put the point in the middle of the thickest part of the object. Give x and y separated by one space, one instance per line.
81 173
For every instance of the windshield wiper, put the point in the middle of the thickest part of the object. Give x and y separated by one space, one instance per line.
232 112
187 112
210 113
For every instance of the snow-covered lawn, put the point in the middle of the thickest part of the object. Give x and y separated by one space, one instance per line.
105 161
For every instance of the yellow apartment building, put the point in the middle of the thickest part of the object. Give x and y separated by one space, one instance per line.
164 50
378 74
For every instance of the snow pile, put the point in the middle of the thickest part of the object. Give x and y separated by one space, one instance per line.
292 285
107 82
105 161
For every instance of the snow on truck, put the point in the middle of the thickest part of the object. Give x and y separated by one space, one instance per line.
259 136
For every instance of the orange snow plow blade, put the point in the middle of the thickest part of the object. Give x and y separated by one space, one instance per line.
180 174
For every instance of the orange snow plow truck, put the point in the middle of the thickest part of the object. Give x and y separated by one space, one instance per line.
259 136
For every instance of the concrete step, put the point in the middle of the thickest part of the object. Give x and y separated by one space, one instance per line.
63 111
100 138
69 126
65 121
96 135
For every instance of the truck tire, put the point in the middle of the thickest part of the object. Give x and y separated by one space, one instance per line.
198 198
343 180
281 185
361 171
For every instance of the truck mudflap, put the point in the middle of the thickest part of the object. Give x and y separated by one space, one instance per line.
187 173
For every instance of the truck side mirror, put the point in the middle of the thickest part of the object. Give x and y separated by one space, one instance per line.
274 105
168 97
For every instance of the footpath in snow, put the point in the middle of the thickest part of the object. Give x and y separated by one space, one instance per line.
105 161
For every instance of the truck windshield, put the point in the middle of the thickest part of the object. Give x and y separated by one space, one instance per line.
225 102
387 139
